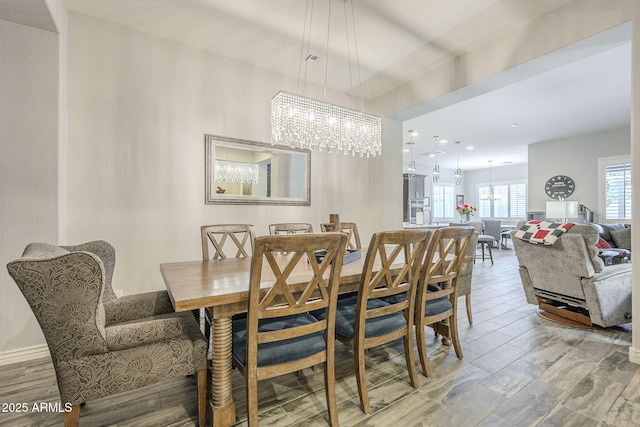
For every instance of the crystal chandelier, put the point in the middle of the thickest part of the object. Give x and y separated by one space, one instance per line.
458 173
436 168
308 123
411 168
236 172
491 196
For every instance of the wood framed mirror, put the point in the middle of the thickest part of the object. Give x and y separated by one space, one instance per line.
239 171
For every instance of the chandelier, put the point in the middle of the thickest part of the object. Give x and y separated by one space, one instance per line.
308 123
411 168
491 196
236 172
436 167
458 173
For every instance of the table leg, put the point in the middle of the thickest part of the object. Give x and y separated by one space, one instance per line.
223 409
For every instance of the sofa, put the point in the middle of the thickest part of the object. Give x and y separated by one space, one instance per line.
614 243
569 281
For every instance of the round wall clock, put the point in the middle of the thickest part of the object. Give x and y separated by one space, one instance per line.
559 187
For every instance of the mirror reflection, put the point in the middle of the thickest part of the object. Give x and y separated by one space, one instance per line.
239 171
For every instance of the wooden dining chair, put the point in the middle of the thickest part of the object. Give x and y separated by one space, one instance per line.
383 309
350 228
290 228
279 336
437 294
237 237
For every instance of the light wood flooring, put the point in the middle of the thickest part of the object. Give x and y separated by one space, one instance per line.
518 370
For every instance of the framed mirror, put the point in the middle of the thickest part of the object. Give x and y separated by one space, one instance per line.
247 172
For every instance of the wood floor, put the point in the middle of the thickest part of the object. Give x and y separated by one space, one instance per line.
518 370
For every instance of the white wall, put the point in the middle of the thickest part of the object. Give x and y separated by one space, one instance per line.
139 107
576 157
28 164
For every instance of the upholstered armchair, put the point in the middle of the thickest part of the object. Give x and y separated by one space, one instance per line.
102 345
569 281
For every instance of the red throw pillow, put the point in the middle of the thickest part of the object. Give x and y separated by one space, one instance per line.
602 244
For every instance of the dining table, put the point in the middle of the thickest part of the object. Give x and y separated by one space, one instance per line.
222 287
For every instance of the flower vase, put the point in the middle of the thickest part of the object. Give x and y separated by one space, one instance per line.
464 218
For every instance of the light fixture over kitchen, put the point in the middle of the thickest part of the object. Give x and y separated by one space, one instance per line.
436 167
458 173
491 196
411 168
309 123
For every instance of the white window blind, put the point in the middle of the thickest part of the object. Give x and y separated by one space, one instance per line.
617 184
443 201
509 201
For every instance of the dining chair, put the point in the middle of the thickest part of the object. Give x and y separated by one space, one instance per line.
290 228
278 335
437 293
383 309
103 345
350 228
234 237
466 274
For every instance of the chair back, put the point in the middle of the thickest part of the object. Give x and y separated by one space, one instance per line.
478 225
232 237
297 283
444 258
466 269
380 281
290 228
492 227
64 290
350 228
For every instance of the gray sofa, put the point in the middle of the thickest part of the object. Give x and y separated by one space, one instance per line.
569 279
618 236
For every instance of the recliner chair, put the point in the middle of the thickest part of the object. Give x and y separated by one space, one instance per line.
569 280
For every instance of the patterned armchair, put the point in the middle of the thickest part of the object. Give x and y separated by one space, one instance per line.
100 344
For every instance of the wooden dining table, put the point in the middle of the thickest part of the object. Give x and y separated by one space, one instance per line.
222 287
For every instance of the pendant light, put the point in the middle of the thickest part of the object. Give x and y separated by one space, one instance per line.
458 173
411 168
436 167
491 196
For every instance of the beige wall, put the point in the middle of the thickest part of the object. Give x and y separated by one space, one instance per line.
28 164
139 107
576 157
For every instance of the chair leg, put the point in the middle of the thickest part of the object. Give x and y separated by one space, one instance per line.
202 397
453 332
409 358
252 400
330 391
422 350
467 299
361 379
490 254
72 417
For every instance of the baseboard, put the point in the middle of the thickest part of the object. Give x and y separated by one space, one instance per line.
24 354
634 355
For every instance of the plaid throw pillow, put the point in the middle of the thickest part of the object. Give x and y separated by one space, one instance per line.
542 232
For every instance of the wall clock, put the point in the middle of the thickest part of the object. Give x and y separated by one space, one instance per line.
559 187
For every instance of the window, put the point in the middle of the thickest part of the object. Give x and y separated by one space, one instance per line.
443 201
509 201
615 182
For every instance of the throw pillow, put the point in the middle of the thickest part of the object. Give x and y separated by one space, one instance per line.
603 244
622 238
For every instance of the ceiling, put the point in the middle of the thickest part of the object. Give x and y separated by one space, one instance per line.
396 40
